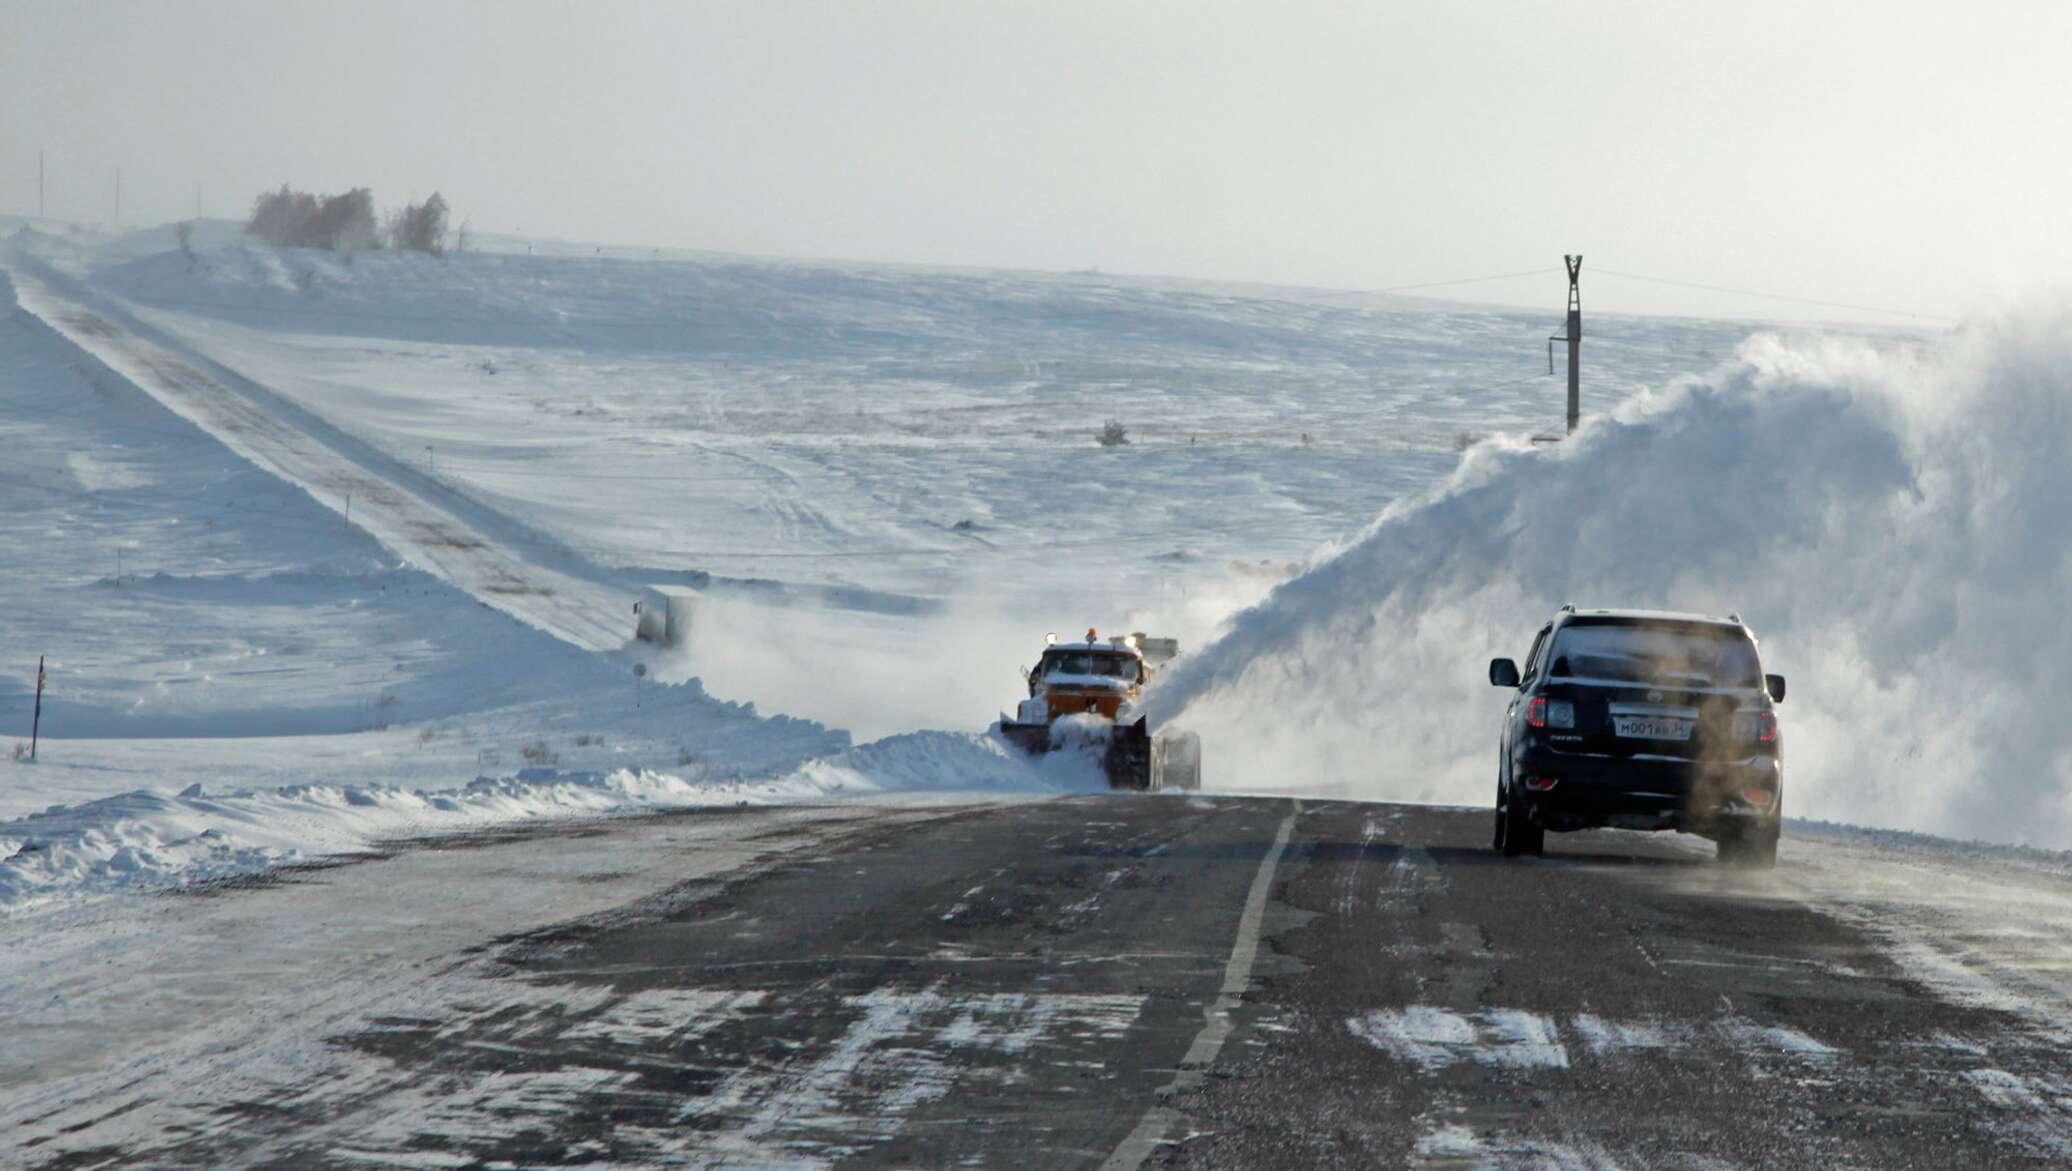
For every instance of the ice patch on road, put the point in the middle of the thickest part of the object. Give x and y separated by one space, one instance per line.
1609 1037
1433 1038
1011 1022
1763 1039
667 1014
1449 1142
2038 1109
1455 1145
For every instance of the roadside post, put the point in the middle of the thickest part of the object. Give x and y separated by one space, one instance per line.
36 721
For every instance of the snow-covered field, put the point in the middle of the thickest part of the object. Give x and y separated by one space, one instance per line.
886 481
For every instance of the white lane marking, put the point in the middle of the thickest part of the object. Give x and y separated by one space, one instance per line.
1237 976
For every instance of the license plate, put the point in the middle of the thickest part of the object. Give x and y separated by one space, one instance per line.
1651 728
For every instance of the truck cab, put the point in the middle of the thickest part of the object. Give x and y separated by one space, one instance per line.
1092 677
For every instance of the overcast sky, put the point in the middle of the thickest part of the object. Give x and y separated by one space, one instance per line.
1899 154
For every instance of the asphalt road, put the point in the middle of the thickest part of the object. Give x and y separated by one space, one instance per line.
1172 982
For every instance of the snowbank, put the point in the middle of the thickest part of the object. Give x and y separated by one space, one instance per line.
951 760
150 839
1888 518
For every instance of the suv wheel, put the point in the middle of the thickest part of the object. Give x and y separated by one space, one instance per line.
1522 835
1497 841
1756 848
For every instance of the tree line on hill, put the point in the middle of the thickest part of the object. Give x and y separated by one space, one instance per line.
345 223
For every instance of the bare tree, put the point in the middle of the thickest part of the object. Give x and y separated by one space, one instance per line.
296 219
420 227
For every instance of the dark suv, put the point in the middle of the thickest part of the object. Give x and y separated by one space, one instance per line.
1639 719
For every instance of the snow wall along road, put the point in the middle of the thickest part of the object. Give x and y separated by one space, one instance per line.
1891 519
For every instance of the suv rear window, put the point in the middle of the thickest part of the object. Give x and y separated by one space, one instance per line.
1656 652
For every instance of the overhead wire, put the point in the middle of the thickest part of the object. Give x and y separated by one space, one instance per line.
1784 297
1466 280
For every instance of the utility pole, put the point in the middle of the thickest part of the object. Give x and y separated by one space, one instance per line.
40 214
1575 341
118 197
1574 338
36 721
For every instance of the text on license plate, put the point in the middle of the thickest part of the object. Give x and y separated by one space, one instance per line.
1652 727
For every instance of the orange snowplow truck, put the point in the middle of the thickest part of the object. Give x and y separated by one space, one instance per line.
1085 694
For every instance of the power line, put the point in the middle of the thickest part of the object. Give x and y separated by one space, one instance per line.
1657 280
1466 280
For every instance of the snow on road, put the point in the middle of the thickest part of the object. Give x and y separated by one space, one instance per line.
131 1020
149 1025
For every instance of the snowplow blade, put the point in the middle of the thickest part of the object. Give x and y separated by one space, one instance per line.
1033 739
1131 758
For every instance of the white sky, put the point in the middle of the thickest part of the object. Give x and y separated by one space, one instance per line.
1902 154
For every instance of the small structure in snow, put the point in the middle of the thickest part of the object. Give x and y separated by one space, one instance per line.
662 615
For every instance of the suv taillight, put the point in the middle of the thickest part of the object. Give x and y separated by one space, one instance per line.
1536 713
1759 726
1560 713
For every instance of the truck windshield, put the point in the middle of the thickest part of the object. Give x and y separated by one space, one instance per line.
1679 656
1090 663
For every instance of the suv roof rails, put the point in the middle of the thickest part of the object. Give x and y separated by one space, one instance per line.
1567 608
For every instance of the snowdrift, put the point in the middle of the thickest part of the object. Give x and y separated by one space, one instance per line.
1889 518
154 839
923 761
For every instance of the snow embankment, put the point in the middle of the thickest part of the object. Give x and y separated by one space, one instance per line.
149 839
1888 518
952 760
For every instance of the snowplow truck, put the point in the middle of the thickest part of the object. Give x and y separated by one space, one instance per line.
1084 694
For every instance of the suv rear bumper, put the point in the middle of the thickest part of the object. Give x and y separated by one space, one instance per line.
1709 797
